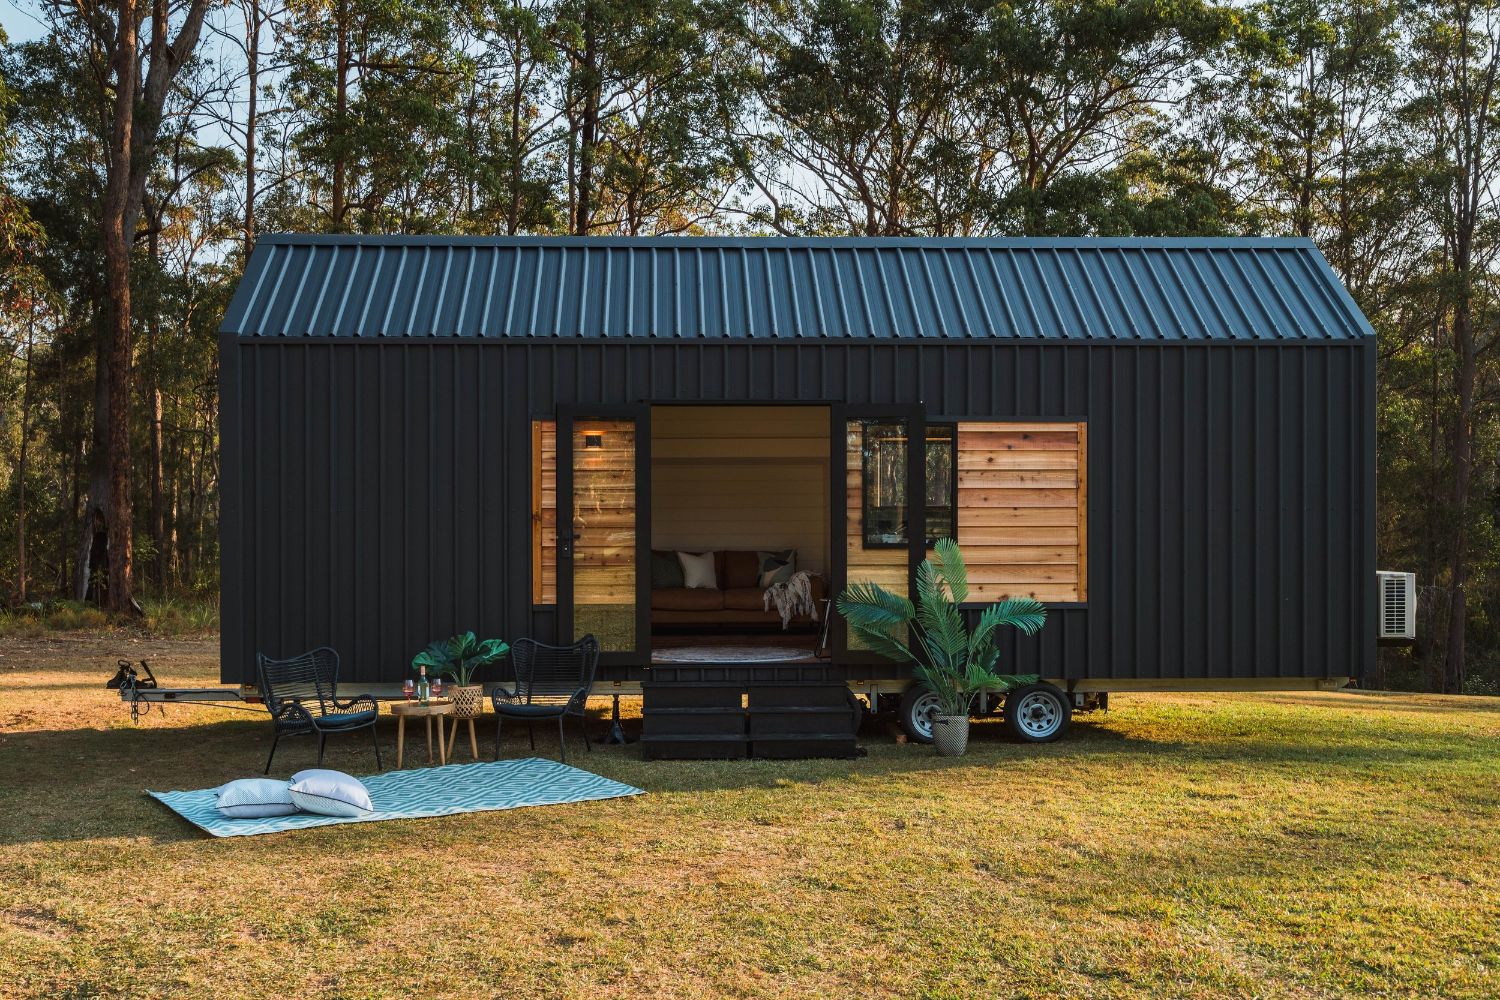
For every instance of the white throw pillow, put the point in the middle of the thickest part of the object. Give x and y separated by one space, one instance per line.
255 798
330 793
698 571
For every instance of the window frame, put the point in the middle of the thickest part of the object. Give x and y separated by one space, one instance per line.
948 430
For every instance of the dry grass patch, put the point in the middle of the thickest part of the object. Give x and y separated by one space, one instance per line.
1203 846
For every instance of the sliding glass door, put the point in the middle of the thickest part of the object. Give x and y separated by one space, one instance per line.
603 544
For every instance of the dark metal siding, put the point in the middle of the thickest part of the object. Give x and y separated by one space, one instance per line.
377 492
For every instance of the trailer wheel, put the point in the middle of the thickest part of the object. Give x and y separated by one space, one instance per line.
918 705
1037 713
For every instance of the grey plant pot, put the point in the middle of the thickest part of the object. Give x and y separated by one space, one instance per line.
950 734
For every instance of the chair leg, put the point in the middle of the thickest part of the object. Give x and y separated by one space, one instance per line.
322 742
531 732
562 744
375 738
583 725
274 740
498 719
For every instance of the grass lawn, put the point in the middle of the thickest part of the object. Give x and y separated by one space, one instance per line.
1203 846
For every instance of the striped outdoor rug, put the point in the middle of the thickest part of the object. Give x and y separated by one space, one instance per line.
431 791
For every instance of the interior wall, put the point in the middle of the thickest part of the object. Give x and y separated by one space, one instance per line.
741 477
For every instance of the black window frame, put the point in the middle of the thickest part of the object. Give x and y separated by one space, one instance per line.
933 430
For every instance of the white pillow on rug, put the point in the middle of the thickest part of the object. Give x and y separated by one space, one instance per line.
698 571
255 798
330 793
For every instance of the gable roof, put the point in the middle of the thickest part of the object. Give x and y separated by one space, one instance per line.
1137 289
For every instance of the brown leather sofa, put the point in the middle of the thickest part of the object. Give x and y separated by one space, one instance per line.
738 600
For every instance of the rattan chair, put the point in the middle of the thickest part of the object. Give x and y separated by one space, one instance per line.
302 695
552 682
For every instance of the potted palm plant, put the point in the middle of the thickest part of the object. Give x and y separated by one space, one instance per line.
955 662
457 659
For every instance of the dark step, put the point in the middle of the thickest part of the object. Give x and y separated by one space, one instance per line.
790 747
714 726
694 747
695 710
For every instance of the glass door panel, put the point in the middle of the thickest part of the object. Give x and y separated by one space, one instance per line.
604 540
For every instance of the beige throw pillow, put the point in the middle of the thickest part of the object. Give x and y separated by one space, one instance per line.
698 571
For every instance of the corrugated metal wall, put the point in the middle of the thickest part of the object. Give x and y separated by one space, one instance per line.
376 492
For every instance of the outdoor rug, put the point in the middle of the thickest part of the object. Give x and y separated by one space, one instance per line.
733 654
431 791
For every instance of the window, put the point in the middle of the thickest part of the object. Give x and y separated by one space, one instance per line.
883 483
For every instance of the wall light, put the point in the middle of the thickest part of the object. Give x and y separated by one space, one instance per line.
593 440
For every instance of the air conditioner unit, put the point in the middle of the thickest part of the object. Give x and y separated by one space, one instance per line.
1398 605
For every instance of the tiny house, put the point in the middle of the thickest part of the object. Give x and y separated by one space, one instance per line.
1170 442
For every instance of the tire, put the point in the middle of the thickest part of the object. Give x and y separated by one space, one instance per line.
915 713
1037 713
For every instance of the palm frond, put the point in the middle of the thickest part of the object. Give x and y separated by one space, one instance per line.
871 604
955 570
938 617
883 642
1023 613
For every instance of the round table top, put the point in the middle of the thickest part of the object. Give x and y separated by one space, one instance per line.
436 706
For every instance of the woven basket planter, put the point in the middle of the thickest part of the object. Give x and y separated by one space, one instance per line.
950 734
468 701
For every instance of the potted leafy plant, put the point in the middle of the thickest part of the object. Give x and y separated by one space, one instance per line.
954 661
457 659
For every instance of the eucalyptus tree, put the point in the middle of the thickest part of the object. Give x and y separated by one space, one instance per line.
864 111
643 100
1454 77
373 91
131 54
511 117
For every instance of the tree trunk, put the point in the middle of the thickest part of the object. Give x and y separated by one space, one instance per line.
26 400
93 519
341 110
588 128
117 240
252 78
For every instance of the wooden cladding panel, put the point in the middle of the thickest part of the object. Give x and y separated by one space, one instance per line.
544 512
1022 509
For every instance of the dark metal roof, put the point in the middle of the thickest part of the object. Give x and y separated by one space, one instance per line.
760 287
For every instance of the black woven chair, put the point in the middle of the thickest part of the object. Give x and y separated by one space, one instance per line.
552 682
302 695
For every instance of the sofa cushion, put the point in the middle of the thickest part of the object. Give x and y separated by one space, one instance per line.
687 599
744 599
698 571
741 569
666 570
776 567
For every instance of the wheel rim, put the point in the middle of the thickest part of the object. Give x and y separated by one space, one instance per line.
922 711
1039 715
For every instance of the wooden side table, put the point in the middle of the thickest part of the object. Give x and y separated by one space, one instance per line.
453 735
437 708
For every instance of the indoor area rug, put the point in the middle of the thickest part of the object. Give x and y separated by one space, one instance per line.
431 791
732 654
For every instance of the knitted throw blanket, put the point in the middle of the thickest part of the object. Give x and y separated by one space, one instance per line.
792 598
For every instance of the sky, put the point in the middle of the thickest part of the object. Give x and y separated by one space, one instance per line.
21 20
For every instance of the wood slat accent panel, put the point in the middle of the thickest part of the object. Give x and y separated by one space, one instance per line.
544 512
1022 509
